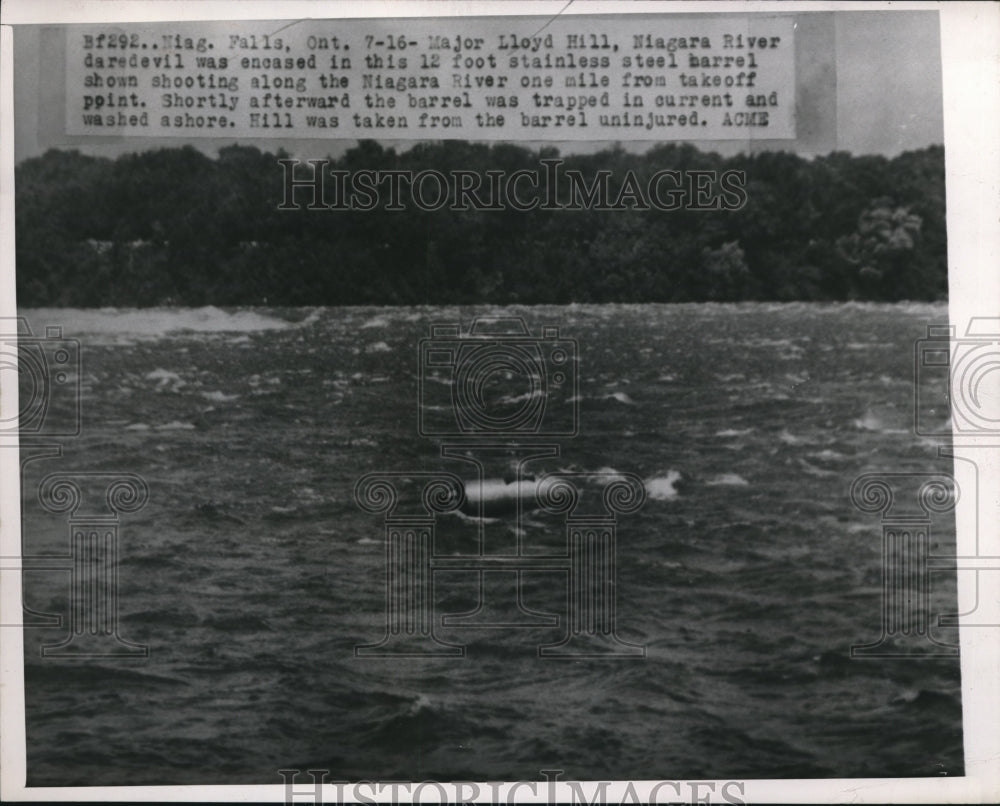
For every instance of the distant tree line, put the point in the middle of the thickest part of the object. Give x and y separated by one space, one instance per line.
174 226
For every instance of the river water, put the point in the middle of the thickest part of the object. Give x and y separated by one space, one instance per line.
252 575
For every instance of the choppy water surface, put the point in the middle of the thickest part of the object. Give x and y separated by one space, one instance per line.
251 574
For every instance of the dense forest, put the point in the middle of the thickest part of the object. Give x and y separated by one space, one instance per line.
175 226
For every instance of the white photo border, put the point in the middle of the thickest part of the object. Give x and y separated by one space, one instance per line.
970 56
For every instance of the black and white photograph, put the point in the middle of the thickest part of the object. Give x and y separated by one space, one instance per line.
500 402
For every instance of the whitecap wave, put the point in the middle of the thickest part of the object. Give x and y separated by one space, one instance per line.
789 438
728 480
165 380
662 488
872 421
111 326
508 399
219 397
828 455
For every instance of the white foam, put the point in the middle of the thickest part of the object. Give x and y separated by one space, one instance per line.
661 488
873 422
522 398
870 422
734 432
789 438
219 397
175 425
128 325
457 513
728 480
812 470
621 397
772 343
422 703
166 380
378 347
